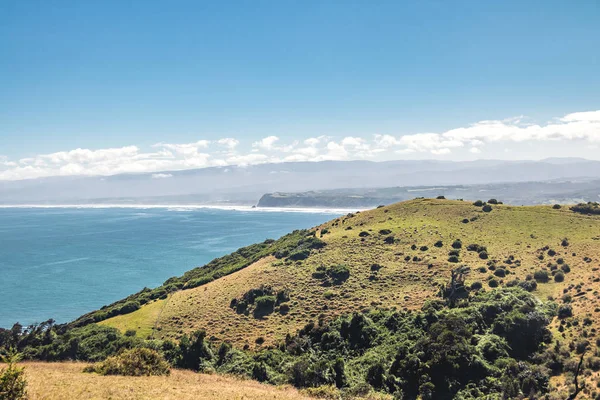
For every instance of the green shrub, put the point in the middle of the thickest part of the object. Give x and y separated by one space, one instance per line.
439 243
13 383
441 198
565 311
486 208
500 272
493 283
492 201
586 208
134 362
483 255
457 244
478 203
264 304
559 276
556 207
453 259
541 276
529 285
385 232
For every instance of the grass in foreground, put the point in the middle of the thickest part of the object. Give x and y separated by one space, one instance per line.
59 381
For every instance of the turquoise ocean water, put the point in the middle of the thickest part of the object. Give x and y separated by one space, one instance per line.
62 262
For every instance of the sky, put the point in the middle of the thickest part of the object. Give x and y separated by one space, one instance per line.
99 88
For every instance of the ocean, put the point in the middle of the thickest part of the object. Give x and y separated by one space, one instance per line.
63 262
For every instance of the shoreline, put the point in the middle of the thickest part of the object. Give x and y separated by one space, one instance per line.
186 207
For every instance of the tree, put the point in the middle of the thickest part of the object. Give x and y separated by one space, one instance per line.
12 379
455 289
576 379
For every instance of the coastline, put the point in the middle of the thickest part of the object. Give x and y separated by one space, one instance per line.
187 207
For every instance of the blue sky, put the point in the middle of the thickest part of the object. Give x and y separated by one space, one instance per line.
111 75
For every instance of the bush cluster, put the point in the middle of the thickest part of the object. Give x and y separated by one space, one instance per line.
133 362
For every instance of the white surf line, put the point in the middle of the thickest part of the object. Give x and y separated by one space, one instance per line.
186 207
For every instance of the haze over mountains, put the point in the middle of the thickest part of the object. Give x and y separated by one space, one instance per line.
245 185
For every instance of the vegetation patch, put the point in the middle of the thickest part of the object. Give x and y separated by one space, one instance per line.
133 362
587 208
260 301
332 275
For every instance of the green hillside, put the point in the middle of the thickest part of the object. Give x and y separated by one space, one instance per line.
395 256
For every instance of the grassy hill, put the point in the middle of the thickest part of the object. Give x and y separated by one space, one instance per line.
394 256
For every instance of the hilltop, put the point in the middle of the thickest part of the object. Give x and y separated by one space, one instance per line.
394 256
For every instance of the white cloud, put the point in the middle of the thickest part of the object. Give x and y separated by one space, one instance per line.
438 152
266 143
186 149
161 176
230 143
579 130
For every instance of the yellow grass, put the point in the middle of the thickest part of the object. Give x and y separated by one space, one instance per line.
62 381
507 230
142 321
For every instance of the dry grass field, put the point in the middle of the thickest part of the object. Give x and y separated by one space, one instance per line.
66 381
518 239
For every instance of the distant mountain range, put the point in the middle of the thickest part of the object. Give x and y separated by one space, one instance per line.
245 185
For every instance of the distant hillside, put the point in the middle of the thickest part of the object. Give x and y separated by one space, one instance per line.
522 193
411 245
246 184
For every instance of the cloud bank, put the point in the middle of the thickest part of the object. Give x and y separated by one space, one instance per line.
473 140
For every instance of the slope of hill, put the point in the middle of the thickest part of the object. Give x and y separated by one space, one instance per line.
395 256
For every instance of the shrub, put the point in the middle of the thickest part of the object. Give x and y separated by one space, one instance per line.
385 232
453 259
492 201
565 268
478 203
339 272
439 243
12 380
441 198
551 253
476 285
457 244
465 221
529 285
565 311
134 362
586 208
500 272
424 248
541 276
556 206
559 276
364 234
564 242
389 240
483 255
493 283
486 208
265 304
